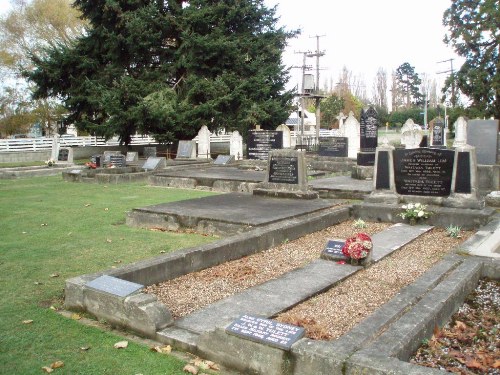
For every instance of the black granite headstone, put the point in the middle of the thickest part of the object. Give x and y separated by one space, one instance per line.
423 171
368 126
284 169
382 179
462 179
438 133
260 142
266 331
63 154
424 142
333 146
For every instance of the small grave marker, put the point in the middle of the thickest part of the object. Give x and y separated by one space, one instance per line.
115 286
117 160
223 159
333 250
154 163
270 332
149 152
132 157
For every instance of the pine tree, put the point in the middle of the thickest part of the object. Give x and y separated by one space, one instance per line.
168 67
474 33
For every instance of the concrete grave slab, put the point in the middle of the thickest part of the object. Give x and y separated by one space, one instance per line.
223 214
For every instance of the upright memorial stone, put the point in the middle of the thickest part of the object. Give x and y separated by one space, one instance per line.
438 134
483 135
333 146
132 157
236 145
460 132
117 160
107 156
286 176
186 150
368 137
65 155
204 143
287 136
351 131
261 142
341 117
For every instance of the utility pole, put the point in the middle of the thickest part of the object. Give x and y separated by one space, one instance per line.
304 68
317 98
453 97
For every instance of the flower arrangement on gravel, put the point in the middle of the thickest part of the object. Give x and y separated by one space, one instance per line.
358 247
414 212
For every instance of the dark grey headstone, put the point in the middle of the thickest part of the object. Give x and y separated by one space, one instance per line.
368 127
284 169
365 158
423 171
383 171
266 331
462 179
333 146
424 142
437 130
260 142
115 286
223 159
63 154
483 134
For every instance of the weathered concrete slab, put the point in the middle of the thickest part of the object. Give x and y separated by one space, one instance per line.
233 208
342 187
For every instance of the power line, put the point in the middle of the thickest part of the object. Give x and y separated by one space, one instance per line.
453 97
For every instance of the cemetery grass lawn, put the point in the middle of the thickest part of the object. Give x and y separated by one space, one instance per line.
53 230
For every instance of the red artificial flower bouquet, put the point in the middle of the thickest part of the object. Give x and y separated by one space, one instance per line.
358 247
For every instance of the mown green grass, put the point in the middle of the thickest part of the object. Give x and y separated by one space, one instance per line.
47 227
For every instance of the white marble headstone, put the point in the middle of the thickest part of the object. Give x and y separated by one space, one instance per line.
352 132
236 145
460 132
287 135
204 143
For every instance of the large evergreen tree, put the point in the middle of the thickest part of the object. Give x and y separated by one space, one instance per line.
408 83
474 31
168 67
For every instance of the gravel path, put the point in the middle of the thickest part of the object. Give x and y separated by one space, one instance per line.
330 314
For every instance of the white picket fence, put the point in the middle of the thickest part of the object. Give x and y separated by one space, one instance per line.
45 143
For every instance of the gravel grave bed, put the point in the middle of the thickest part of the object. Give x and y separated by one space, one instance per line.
330 314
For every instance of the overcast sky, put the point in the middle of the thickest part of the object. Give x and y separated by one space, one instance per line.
364 35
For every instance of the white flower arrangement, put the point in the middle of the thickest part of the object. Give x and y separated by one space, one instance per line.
50 162
414 211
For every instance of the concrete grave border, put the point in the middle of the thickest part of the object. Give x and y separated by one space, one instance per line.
381 344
